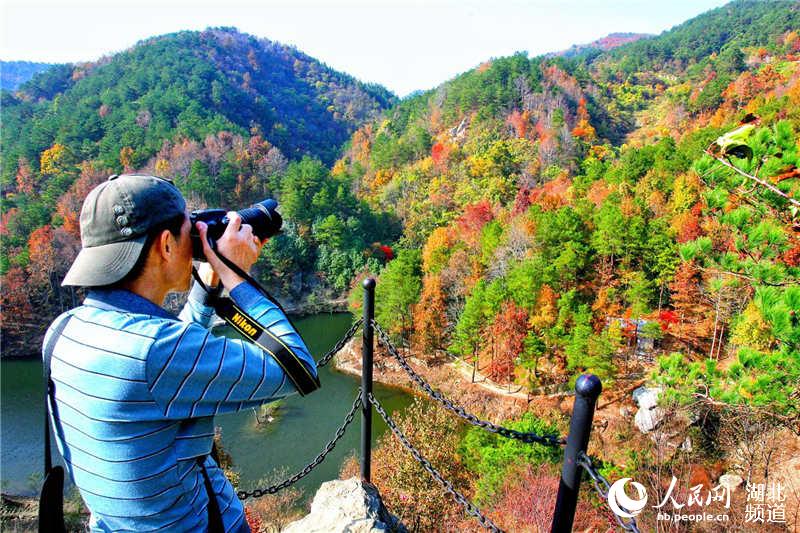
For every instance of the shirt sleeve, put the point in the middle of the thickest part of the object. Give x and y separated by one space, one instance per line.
191 372
196 308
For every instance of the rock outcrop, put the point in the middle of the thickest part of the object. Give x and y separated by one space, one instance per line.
346 506
649 414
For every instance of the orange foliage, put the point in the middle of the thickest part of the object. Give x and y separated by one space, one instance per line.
605 307
15 302
692 309
598 192
70 203
553 194
126 158
583 128
25 183
41 253
253 520
472 221
6 217
508 332
791 257
439 153
520 122
528 498
435 249
546 310
687 224
361 144
430 318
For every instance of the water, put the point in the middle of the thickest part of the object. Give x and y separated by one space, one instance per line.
300 430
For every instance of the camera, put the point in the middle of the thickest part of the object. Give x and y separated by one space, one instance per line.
263 217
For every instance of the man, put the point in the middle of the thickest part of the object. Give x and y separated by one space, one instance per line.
136 388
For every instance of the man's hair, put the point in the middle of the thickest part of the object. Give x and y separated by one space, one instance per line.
173 224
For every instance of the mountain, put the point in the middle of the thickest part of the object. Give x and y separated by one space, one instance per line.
187 84
544 198
612 40
633 213
232 119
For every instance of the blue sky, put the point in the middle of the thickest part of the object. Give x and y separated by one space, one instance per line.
403 45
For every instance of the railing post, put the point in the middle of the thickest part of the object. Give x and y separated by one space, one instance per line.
587 390
366 378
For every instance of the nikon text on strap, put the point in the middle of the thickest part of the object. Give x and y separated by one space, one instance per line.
294 368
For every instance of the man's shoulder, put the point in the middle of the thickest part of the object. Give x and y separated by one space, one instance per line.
90 322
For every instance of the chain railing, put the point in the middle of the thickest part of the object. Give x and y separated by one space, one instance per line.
602 486
468 506
530 438
587 390
257 493
349 334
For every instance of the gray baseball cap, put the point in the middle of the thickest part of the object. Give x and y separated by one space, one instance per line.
115 220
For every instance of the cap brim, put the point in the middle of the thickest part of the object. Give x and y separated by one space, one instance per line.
104 265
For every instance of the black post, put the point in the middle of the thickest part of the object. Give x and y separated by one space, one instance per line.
366 379
587 390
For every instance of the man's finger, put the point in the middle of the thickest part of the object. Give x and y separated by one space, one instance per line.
234 221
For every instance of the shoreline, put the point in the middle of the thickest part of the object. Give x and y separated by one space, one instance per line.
293 310
484 399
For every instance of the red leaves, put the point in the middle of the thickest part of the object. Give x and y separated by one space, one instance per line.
474 218
388 253
667 318
508 332
439 153
520 122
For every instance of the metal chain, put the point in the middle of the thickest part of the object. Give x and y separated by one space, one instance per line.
257 493
339 345
547 440
602 486
460 498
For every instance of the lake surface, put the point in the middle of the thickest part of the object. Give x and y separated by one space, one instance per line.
300 430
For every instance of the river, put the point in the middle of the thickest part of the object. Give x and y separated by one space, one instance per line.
299 431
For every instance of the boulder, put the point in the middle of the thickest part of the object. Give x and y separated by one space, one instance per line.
649 415
346 506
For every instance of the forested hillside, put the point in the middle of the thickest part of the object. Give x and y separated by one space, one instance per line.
550 204
631 213
630 210
231 118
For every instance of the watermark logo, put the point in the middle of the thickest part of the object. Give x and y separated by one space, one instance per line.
621 504
766 503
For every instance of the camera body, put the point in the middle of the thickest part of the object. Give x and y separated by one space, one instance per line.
263 217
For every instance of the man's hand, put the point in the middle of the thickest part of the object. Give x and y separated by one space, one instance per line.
237 244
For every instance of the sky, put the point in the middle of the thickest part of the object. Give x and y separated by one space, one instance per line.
403 45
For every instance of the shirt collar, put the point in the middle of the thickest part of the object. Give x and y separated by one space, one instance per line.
126 301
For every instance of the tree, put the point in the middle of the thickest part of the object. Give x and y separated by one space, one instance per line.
430 319
397 290
508 333
408 490
467 334
689 303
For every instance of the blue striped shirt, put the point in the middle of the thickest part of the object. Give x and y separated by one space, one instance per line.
136 391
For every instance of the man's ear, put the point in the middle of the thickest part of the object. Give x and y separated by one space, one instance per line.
165 244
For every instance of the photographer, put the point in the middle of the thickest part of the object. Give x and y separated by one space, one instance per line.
135 389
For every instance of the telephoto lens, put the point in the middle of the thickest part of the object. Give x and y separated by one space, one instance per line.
263 217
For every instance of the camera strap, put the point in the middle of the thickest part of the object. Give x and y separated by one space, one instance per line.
303 380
